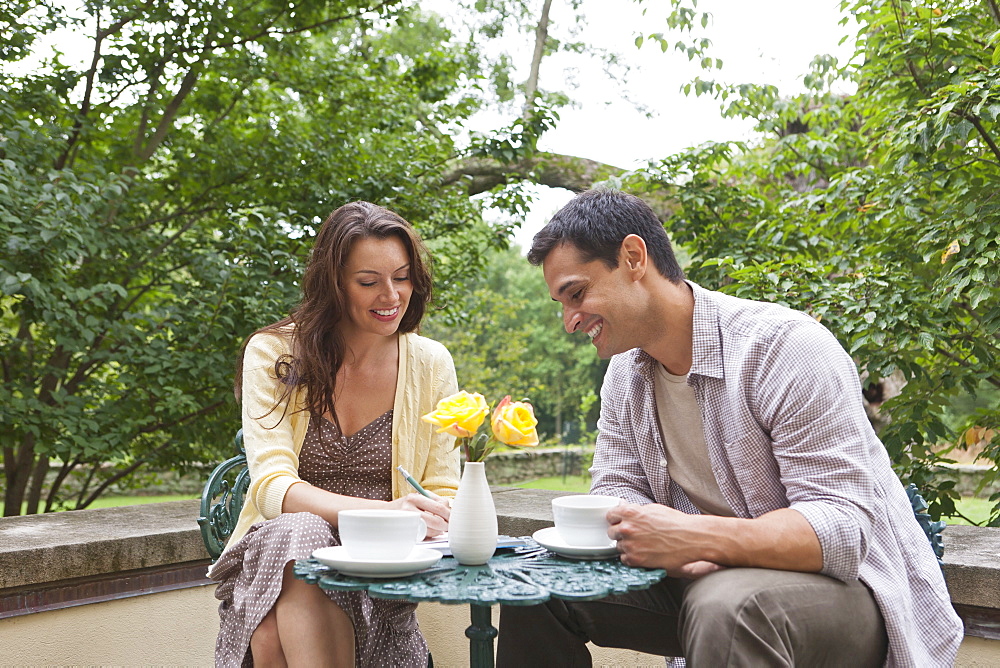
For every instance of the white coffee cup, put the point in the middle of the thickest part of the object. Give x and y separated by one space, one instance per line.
580 519
383 535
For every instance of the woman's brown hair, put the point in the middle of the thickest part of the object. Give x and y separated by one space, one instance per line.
318 348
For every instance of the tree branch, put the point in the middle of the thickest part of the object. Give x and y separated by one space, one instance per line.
531 86
81 503
174 422
38 472
154 83
163 246
170 113
85 103
818 167
64 471
976 123
74 134
292 31
964 363
548 169
909 63
225 112
994 10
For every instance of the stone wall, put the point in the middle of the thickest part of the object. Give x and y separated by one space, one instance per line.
511 466
968 478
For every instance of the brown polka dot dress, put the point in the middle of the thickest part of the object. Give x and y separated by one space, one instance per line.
250 573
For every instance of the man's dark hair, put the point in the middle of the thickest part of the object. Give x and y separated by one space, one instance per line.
596 222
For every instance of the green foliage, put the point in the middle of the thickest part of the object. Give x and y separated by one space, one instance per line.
157 203
510 340
876 212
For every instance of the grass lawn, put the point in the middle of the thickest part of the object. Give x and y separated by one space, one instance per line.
572 483
977 510
112 501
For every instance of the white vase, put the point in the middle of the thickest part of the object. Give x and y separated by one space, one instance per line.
472 529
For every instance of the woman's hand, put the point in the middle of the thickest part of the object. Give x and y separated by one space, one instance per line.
435 511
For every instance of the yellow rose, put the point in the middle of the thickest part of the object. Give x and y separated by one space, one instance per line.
460 414
514 423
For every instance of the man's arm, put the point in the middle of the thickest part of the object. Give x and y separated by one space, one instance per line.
655 536
807 398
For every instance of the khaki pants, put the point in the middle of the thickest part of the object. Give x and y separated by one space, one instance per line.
733 617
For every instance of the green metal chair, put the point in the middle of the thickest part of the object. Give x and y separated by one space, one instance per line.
932 529
222 499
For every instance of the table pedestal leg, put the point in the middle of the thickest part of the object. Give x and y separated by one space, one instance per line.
481 635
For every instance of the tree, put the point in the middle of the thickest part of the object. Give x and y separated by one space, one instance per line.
159 196
157 202
876 212
510 340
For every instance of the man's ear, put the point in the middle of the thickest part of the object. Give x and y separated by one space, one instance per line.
632 256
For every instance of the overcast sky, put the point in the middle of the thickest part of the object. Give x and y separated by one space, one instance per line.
765 41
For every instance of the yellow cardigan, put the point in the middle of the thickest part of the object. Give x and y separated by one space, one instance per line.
426 375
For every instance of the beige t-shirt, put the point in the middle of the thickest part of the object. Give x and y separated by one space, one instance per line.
684 443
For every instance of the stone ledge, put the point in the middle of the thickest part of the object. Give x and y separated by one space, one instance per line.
972 565
53 547
49 551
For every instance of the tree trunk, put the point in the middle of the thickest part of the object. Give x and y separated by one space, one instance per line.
36 484
18 471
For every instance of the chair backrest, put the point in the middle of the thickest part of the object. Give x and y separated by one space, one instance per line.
228 483
932 529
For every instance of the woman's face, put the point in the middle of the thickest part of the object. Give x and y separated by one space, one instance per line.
376 280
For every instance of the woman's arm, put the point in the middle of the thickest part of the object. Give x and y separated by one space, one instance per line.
269 425
303 497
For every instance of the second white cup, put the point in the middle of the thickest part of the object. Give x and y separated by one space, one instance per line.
580 519
382 535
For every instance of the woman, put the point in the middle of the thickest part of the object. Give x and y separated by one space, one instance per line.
331 399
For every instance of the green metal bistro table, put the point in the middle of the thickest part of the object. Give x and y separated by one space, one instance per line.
523 576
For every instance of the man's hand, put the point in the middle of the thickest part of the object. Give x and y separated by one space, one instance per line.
655 536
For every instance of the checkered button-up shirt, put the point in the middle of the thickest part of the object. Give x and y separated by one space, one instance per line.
785 426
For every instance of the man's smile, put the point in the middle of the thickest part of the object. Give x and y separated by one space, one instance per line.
595 330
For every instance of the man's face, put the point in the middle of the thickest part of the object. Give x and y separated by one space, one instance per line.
595 299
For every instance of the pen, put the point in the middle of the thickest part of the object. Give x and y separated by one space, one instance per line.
416 485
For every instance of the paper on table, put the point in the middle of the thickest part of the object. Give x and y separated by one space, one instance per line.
440 543
436 540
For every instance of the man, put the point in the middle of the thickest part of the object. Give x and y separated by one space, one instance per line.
735 433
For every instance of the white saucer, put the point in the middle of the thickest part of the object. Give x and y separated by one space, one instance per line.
338 558
551 540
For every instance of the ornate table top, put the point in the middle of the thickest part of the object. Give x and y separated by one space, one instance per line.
525 576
